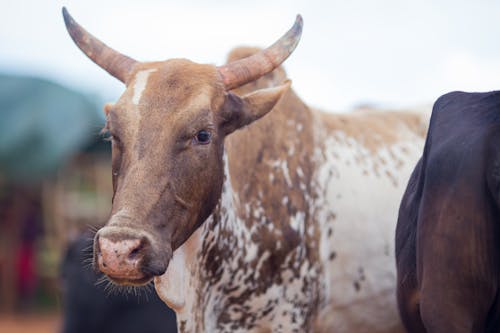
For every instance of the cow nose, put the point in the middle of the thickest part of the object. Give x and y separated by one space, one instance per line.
120 258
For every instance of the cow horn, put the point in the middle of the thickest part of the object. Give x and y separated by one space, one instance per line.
113 62
239 72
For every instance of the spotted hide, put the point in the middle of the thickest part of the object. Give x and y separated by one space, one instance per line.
302 237
247 219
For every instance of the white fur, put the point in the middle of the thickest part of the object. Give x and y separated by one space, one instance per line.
141 80
171 286
362 191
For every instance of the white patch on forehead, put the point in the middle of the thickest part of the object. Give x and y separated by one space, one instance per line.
141 80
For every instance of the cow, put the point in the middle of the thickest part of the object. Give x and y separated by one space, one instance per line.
447 232
249 220
89 307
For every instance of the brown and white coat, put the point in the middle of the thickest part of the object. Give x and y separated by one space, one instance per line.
298 235
302 237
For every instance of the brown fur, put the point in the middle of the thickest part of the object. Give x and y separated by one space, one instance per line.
153 142
180 94
169 185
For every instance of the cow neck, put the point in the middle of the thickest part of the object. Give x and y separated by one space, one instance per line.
181 284
261 168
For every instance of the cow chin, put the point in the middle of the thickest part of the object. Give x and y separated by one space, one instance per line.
138 277
131 282
141 276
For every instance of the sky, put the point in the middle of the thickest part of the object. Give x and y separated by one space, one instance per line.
386 53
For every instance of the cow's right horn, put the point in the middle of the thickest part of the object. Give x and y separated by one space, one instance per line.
239 72
113 62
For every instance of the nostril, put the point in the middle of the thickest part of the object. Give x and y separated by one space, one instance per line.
136 250
125 256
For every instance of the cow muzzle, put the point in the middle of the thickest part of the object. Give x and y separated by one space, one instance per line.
126 257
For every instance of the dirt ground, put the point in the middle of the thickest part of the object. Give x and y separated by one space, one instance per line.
46 323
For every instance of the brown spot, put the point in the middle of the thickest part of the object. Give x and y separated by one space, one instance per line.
182 326
365 126
391 177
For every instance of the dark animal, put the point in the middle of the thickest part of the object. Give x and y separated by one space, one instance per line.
448 231
90 309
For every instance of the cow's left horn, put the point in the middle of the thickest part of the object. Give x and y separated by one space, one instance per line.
113 62
237 73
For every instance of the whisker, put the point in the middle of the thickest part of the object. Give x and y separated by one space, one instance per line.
112 289
88 265
88 248
101 280
146 293
93 229
107 288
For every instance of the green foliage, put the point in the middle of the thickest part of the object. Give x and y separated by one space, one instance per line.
41 125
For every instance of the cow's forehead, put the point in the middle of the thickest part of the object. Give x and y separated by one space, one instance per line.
177 80
176 88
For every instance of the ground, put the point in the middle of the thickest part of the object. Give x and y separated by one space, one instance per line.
40 323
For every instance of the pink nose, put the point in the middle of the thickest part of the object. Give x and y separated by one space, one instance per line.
120 259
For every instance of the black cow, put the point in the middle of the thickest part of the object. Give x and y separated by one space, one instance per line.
448 231
88 308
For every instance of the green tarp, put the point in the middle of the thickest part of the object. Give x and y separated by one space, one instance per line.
41 125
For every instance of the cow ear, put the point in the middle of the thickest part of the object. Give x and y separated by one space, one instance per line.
107 109
240 111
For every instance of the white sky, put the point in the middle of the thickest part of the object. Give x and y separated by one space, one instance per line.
391 53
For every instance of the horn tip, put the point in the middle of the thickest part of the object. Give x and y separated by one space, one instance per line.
299 22
65 12
299 19
67 17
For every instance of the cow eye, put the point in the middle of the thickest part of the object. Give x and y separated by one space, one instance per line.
203 137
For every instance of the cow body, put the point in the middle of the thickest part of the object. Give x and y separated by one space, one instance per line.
302 237
448 234
250 220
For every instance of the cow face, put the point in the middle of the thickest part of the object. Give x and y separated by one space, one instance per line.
167 132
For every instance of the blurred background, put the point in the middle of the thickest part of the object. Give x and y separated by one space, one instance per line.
55 179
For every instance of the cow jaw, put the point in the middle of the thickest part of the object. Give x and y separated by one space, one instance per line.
175 284
171 285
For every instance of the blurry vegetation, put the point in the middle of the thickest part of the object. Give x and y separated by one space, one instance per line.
42 125
55 181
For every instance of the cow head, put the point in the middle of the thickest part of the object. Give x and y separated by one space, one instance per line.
167 132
